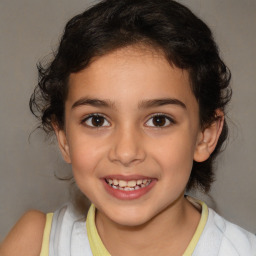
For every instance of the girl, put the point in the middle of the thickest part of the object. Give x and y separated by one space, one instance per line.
136 96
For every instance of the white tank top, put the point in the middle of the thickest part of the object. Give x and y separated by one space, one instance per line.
214 237
68 235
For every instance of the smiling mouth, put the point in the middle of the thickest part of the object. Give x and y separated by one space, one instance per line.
128 185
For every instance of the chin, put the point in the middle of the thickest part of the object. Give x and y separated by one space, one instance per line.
131 218
131 221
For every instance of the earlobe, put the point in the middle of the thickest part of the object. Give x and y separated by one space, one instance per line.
63 143
208 138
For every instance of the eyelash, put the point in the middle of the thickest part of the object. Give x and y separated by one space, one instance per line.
166 117
96 115
89 117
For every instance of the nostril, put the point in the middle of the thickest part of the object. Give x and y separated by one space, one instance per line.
127 147
126 156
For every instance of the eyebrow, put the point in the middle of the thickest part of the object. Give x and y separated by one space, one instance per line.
142 104
161 102
94 103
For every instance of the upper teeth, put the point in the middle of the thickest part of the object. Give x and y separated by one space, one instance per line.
128 184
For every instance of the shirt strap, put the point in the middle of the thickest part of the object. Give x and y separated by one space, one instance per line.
97 247
204 217
46 236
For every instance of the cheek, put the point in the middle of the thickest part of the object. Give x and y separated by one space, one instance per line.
176 169
176 156
84 160
85 156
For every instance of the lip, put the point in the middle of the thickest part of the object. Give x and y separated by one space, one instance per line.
128 195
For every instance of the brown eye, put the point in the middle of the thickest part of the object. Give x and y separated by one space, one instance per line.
96 121
159 121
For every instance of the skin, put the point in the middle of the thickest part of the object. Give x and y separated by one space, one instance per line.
129 142
25 238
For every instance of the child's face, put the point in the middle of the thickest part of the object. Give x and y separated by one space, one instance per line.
130 116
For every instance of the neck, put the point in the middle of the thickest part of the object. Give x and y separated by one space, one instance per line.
168 233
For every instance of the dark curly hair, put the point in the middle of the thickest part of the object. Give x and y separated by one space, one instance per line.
185 40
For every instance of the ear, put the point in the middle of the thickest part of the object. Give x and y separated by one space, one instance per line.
208 138
62 142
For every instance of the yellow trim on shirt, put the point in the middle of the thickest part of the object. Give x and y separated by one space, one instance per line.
98 248
46 237
204 216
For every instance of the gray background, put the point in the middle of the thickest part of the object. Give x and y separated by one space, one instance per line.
29 29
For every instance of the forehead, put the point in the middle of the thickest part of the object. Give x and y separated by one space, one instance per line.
131 73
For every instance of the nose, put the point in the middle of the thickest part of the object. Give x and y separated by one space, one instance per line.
127 147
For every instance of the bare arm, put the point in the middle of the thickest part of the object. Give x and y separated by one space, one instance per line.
25 238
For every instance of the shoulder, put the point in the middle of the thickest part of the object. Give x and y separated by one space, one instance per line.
234 238
26 236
